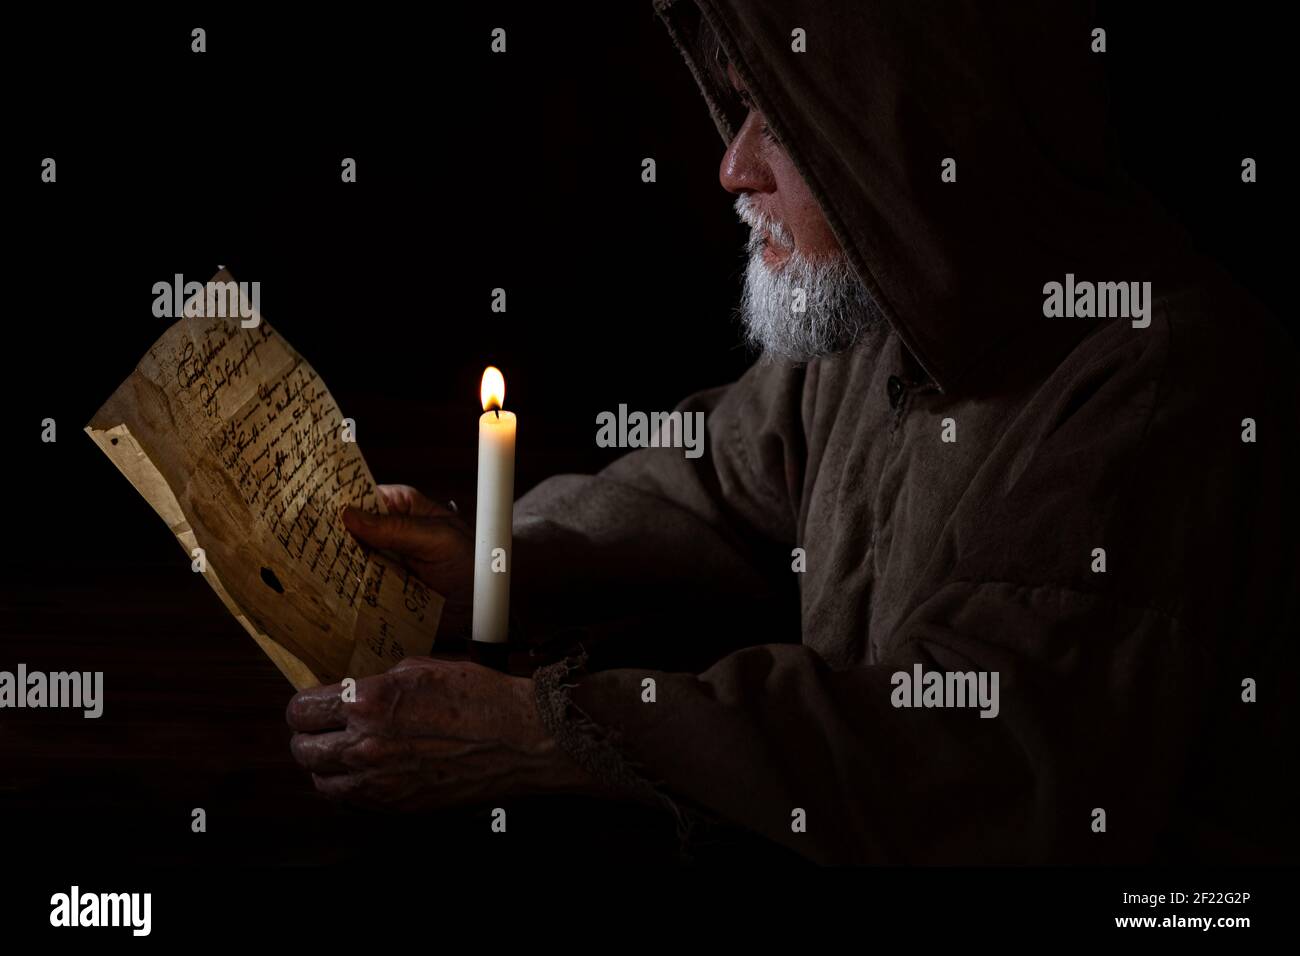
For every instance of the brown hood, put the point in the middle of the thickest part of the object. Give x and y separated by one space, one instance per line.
886 90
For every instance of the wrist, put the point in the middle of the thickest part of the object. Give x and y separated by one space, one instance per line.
552 770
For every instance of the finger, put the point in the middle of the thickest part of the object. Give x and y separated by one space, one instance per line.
403 499
415 661
376 530
362 788
340 786
321 753
405 534
317 709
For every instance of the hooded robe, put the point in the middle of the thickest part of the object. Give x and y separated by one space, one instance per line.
975 487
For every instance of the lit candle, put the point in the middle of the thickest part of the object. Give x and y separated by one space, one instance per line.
492 529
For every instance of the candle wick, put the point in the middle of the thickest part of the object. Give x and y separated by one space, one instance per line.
498 411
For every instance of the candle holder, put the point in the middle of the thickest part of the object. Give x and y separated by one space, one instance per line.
493 654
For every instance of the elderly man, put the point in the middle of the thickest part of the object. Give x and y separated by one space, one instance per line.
989 558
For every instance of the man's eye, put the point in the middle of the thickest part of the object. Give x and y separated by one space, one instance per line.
748 103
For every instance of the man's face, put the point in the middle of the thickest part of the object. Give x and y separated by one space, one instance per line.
802 299
756 165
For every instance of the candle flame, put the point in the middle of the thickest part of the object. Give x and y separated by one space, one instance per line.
493 391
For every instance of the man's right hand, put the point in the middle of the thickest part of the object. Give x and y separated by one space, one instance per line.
432 541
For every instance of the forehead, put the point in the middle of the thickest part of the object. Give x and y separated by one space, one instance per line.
725 85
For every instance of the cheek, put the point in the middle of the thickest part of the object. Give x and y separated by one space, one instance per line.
813 235
803 216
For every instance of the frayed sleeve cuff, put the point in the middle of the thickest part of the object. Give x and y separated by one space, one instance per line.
597 749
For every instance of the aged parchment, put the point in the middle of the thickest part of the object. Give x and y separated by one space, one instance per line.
239 447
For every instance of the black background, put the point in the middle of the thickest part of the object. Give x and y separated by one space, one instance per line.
475 171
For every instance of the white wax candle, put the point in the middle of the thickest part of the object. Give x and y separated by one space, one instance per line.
496 506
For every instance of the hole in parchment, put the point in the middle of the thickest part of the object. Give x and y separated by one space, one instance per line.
271 581
114 441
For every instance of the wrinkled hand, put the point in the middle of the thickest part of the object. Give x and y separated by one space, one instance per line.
429 734
431 540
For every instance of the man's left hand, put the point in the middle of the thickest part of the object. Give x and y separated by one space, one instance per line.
429 733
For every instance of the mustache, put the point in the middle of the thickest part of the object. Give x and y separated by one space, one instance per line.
761 225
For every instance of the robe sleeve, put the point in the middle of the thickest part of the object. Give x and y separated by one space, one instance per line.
1116 690
820 761
658 536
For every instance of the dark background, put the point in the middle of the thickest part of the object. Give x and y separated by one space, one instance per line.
475 171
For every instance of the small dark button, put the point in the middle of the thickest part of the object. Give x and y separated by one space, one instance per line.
895 391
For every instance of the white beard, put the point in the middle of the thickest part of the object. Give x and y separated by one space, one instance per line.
838 309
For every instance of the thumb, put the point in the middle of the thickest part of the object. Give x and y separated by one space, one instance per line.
396 532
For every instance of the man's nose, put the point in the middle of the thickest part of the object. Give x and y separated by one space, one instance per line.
743 168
